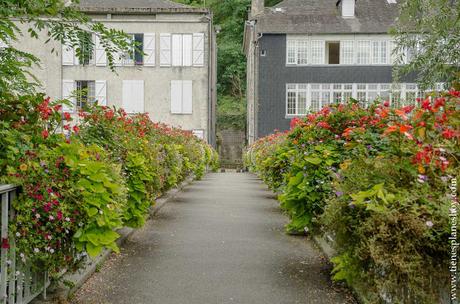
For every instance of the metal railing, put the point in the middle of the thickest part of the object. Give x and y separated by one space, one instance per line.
18 284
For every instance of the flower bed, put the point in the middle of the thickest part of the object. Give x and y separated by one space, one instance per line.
377 180
80 185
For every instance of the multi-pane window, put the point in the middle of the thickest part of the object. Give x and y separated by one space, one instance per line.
347 52
297 51
296 99
85 93
86 49
292 51
379 52
304 98
304 50
363 52
317 51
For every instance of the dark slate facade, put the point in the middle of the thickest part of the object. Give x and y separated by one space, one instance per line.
274 74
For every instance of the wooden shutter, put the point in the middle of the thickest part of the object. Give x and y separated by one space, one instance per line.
176 50
198 49
149 49
176 97
101 92
187 50
68 87
101 56
133 96
68 55
187 97
165 49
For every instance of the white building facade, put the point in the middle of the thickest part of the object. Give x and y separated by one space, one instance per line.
173 78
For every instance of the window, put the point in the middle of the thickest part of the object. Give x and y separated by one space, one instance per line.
182 49
86 49
364 52
317 51
341 92
296 103
133 96
379 52
181 97
347 52
292 52
297 52
85 93
333 52
320 96
135 55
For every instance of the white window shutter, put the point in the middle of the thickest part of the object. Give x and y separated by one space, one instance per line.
176 50
68 54
165 49
68 87
149 49
187 50
133 96
101 92
176 96
101 56
187 97
198 49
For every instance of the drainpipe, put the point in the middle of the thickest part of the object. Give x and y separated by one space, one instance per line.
211 58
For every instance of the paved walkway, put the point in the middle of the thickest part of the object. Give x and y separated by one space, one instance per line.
220 241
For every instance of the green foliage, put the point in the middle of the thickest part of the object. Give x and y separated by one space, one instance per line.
430 28
375 179
79 183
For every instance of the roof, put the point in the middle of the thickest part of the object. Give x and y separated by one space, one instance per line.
137 6
323 17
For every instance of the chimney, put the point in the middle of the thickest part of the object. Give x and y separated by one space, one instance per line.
257 7
348 8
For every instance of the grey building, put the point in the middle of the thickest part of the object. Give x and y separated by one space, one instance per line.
173 79
305 54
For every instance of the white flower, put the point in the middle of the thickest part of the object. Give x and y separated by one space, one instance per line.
51 218
37 215
22 255
429 224
36 250
52 250
17 273
100 212
67 219
49 237
18 234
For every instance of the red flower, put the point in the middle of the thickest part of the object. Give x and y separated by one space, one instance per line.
45 134
57 107
76 129
386 104
294 122
66 127
448 133
426 104
59 215
67 116
5 243
454 93
324 125
439 102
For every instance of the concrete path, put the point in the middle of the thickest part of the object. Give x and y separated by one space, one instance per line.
220 241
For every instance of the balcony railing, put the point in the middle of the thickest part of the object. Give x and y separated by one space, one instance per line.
18 285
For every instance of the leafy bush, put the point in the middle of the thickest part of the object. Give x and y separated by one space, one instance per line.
80 182
376 179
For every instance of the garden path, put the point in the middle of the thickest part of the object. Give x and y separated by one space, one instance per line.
221 240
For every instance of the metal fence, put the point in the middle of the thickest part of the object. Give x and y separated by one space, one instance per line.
18 285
